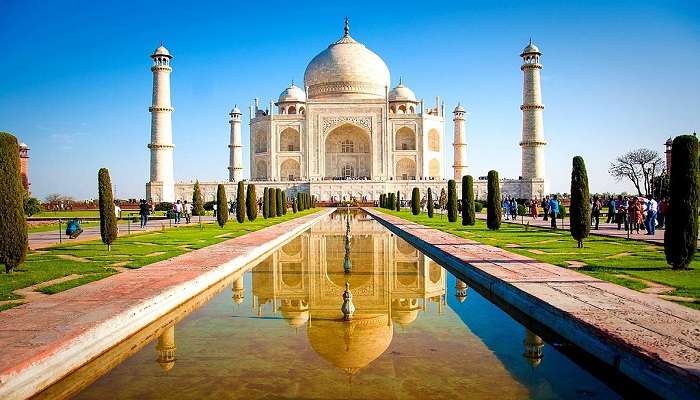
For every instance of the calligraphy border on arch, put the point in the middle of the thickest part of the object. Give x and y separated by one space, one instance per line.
329 124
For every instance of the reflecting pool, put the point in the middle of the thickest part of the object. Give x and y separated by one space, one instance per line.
276 330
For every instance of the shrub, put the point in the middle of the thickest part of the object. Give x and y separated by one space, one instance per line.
681 235
221 205
468 217
13 240
522 210
493 202
251 200
266 203
562 210
415 201
478 206
451 200
30 205
197 201
209 205
240 202
163 206
279 202
580 220
108 220
431 206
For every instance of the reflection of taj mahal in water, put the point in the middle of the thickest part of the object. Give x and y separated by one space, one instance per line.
303 282
346 133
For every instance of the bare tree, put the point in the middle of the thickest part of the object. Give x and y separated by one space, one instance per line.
640 166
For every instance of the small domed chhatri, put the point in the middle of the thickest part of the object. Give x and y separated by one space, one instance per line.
162 51
530 49
292 93
402 93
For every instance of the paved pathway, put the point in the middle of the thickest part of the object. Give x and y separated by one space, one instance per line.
45 339
652 341
40 240
604 229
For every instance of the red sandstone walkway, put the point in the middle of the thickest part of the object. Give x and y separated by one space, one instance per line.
41 240
639 334
47 338
604 229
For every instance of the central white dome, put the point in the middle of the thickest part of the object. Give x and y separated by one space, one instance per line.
347 69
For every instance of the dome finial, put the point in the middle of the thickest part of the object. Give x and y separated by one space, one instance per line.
400 80
347 27
292 82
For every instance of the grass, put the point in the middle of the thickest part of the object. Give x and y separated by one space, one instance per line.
92 260
53 226
605 257
85 214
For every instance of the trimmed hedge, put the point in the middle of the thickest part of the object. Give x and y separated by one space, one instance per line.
681 235
108 218
493 202
13 241
580 212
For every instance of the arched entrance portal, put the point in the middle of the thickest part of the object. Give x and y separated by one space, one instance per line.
348 153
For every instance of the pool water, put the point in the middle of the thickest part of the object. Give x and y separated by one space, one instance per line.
276 330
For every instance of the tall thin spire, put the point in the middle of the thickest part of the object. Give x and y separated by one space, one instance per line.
347 27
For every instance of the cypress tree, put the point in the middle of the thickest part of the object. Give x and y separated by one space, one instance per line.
221 205
197 201
266 203
251 203
431 206
108 219
13 225
681 235
392 201
415 201
273 202
493 202
240 202
280 202
398 201
452 200
468 217
294 205
313 201
442 201
580 209
382 200
299 205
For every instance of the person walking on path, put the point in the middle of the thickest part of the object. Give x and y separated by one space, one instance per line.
621 213
144 210
553 210
178 211
513 208
187 210
545 208
595 212
505 205
533 209
663 211
612 210
214 208
636 214
651 209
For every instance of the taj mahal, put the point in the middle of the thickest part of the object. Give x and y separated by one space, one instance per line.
347 134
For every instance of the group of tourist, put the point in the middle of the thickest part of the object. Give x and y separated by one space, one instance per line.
633 212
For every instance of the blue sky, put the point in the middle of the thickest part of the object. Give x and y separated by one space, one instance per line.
76 84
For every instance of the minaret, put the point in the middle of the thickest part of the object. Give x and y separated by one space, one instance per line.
533 142
460 144
24 165
235 165
166 348
161 187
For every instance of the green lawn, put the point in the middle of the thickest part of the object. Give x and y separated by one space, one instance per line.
605 258
53 226
85 214
92 261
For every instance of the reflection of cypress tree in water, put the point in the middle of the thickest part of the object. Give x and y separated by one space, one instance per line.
238 291
166 348
461 291
534 346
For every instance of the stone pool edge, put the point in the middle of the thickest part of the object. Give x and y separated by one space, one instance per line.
36 372
649 370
